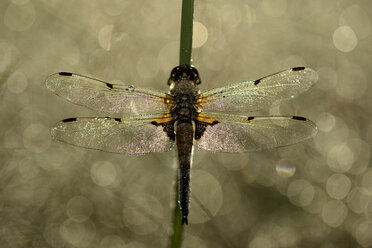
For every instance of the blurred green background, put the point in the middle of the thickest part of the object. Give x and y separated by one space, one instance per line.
314 194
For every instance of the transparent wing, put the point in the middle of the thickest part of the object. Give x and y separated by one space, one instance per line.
106 97
120 135
251 96
238 134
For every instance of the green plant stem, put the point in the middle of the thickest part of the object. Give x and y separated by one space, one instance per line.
186 31
176 238
185 58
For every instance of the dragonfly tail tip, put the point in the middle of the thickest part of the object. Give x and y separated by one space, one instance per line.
184 220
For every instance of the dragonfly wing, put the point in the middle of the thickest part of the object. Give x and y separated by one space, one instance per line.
251 96
106 97
119 135
238 134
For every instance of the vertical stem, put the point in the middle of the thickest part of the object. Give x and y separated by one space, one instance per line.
185 58
176 238
186 31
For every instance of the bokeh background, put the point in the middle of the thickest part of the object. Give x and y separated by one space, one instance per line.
314 194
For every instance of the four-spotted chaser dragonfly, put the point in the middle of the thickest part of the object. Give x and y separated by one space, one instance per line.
145 120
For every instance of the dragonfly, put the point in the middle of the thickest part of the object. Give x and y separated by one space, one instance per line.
142 120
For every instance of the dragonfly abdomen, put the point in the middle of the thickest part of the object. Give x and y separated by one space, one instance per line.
184 142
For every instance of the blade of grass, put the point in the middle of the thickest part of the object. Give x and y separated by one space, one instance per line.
186 31
176 238
185 58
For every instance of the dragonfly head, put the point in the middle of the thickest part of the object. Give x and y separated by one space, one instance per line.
183 73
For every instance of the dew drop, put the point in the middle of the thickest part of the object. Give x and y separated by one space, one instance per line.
115 7
79 208
17 82
78 234
358 200
104 37
36 138
338 186
113 241
259 242
130 88
103 173
344 39
326 122
363 233
334 213
20 17
285 168
201 35
300 192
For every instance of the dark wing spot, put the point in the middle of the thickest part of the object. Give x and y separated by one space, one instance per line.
65 73
299 118
257 81
69 120
109 85
250 118
201 126
168 128
117 119
298 68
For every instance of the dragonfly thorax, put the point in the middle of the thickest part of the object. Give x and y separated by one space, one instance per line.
184 88
184 93
184 109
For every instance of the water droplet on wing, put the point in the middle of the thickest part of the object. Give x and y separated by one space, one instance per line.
285 168
130 88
